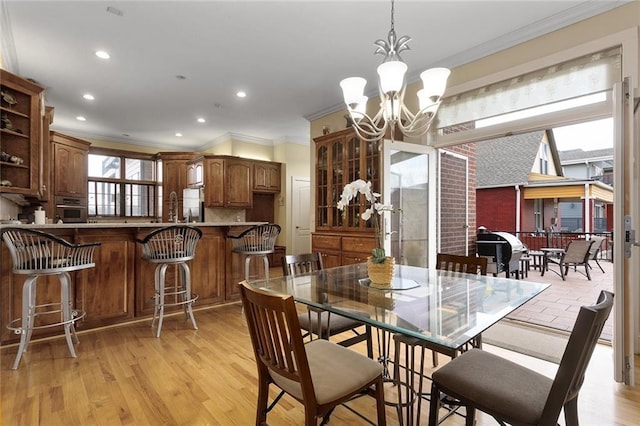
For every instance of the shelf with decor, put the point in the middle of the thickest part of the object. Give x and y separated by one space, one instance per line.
20 135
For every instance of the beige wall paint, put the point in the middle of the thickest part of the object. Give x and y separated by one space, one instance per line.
295 163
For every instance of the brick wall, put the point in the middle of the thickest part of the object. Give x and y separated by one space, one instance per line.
453 218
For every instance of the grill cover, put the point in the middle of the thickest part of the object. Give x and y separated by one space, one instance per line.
503 251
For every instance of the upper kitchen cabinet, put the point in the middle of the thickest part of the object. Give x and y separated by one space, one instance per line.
71 163
238 183
174 180
227 181
266 177
195 175
21 109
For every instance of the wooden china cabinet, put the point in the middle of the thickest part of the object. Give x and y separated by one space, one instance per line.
342 157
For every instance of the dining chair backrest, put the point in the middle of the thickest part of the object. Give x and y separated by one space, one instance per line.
300 264
275 333
463 264
580 347
577 251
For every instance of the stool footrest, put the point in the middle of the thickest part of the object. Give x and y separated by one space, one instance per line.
16 324
193 298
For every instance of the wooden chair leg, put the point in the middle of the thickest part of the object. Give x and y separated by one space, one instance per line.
571 412
471 416
263 396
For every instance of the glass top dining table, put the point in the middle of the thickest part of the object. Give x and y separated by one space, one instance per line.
444 308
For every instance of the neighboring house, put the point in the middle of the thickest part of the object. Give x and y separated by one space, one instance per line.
592 165
521 186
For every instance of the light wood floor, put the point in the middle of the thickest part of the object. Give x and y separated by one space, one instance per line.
126 376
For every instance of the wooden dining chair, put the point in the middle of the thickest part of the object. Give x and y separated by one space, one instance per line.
514 394
322 323
320 374
447 262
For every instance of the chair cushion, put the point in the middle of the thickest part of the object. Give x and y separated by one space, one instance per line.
495 385
335 371
338 323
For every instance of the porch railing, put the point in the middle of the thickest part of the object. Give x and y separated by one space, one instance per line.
537 240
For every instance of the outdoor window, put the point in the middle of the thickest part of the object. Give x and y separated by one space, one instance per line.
121 185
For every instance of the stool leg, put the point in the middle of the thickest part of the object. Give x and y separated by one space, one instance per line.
160 276
246 268
186 280
265 259
28 311
66 310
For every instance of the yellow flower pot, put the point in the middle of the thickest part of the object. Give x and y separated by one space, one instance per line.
381 274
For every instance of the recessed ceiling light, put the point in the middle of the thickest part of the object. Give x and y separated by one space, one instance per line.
241 94
201 120
179 134
81 118
102 54
88 96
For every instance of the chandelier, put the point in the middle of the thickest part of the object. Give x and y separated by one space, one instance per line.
391 85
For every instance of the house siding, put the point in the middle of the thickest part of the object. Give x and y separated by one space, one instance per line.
496 208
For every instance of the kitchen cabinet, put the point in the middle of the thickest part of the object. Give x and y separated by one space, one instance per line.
227 182
71 162
21 111
195 175
238 183
174 179
46 165
266 176
106 292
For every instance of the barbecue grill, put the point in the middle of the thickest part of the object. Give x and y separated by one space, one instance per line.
502 250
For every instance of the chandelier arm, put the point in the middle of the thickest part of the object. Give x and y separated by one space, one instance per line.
367 127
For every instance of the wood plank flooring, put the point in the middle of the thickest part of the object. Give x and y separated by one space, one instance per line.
125 376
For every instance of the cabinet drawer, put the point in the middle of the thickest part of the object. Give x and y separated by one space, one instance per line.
358 244
326 242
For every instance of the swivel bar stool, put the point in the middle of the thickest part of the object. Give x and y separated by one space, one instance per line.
36 253
172 245
257 241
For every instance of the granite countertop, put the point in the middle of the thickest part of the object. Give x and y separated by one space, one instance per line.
124 225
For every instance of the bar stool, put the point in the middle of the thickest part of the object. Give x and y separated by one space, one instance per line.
257 241
36 253
172 245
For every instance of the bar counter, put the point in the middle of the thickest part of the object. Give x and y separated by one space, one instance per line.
120 287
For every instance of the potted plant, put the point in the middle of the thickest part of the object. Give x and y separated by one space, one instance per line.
380 266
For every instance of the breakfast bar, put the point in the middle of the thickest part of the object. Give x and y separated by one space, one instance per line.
121 286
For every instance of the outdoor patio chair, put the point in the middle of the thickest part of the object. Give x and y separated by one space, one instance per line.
514 394
576 254
330 324
320 374
594 252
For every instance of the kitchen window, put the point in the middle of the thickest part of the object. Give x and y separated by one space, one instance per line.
121 185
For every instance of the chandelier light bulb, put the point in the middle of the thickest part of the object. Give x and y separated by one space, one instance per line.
353 89
391 76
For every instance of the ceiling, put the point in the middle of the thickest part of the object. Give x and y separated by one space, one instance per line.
289 57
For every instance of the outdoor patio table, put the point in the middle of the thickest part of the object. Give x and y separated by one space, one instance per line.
548 254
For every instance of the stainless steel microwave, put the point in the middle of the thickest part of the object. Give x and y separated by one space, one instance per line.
71 209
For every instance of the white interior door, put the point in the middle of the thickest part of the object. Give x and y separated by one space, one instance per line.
301 215
408 184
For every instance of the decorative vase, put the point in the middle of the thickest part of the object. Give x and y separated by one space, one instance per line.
381 274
